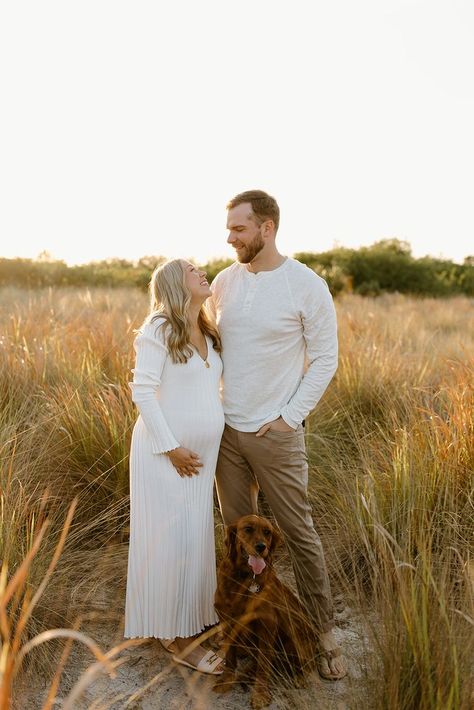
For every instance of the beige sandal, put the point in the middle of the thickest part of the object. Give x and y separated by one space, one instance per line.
207 664
169 645
328 656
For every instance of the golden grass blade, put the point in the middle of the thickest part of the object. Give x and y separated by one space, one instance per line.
19 576
57 553
91 673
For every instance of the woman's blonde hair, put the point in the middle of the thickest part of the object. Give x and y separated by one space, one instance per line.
170 299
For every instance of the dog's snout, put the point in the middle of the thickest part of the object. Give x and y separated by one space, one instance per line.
260 547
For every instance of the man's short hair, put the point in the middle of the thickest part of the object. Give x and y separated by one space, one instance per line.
264 206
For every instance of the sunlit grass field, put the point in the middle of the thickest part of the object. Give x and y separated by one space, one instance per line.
391 449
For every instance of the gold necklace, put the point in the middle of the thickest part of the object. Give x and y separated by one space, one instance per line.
204 359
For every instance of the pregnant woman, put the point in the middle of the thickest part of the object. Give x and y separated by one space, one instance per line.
171 568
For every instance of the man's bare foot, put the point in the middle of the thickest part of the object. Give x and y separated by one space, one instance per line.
331 663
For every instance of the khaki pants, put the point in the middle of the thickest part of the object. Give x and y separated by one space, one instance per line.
277 463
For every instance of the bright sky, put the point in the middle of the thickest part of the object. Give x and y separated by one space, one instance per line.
125 127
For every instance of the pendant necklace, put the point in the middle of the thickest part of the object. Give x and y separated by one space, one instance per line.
204 359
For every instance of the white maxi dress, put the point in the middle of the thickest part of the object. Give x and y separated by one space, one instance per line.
171 566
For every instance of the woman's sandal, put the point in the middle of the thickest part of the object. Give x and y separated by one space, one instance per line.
208 663
328 656
169 645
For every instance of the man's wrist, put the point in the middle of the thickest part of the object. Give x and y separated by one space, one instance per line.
290 424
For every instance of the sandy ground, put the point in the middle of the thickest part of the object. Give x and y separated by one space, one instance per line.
147 678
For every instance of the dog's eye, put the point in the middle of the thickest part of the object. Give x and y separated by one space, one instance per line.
248 529
267 533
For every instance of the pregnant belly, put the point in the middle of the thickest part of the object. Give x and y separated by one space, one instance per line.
196 429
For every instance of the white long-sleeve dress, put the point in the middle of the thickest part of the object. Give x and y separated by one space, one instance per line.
171 566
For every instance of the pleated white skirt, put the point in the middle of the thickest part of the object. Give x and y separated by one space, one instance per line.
171 568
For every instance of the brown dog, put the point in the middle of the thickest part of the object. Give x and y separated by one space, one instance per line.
259 614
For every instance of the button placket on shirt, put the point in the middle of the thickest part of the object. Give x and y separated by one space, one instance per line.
249 298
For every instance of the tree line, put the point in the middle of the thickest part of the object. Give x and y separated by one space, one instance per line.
386 266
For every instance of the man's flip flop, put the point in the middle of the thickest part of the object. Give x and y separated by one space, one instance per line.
207 664
328 656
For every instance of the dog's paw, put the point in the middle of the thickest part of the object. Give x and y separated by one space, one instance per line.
225 682
260 698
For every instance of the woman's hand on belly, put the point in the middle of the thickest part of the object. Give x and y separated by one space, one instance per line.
185 461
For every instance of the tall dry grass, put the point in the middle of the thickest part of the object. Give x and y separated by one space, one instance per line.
393 452
391 447
65 418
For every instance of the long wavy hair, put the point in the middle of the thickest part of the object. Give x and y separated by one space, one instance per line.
170 299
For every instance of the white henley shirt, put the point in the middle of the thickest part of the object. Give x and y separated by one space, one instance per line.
279 342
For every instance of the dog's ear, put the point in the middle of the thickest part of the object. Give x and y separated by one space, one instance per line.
231 541
277 539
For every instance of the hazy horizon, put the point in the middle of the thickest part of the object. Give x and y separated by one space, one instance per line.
44 255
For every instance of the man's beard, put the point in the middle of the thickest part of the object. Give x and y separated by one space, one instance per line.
250 251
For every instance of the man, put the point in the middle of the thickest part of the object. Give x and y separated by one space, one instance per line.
278 327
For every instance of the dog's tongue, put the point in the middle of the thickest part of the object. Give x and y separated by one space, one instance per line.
257 564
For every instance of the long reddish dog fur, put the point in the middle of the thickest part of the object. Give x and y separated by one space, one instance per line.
262 623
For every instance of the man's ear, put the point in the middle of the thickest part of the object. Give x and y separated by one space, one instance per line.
231 541
268 228
277 539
